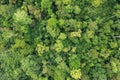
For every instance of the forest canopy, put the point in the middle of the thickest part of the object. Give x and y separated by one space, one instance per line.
59 39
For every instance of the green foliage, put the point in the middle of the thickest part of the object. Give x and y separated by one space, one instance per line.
93 54
115 64
58 46
59 40
98 74
96 3
31 66
41 49
59 74
77 10
74 62
76 74
45 4
62 36
21 16
52 28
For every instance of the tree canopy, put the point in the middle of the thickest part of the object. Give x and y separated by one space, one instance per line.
59 39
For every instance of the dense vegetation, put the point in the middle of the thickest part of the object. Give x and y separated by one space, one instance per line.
59 39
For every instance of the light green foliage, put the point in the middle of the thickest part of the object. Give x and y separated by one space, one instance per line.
76 74
68 8
58 46
3 10
35 11
58 59
19 44
113 45
96 3
92 26
62 36
93 53
22 46
52 27
61 64
115 65
61 22
117 13
6 33
66 1
76 34
74 62
88 35
52 30
41 48
107 28
52 22
31 66
9 65
105 53
21 16
77 10
74 24
45 4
